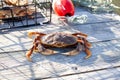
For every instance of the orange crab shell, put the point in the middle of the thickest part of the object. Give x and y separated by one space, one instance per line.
59 39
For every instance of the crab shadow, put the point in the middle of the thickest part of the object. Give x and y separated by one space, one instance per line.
100 53
104 55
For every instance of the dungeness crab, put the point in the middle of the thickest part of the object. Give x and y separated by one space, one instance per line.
43 42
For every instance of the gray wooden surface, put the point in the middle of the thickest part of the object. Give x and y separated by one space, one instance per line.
103 32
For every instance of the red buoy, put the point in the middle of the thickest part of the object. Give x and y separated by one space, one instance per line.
63 7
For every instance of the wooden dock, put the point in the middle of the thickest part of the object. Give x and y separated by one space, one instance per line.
103 32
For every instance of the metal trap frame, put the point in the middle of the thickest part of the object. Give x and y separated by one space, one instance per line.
42 11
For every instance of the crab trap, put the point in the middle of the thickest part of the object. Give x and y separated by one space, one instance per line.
24 13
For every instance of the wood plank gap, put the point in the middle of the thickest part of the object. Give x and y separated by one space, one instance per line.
105 40
13 51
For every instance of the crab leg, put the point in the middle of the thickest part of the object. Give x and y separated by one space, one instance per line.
34 48
30 34
29 53
76 50
87 45
80 34
82 39
88 52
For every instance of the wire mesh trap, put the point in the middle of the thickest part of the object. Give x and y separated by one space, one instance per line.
18 15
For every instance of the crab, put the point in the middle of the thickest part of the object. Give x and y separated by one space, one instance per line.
42 43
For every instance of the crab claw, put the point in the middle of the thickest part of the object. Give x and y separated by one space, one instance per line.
75 51
44 51
47 52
